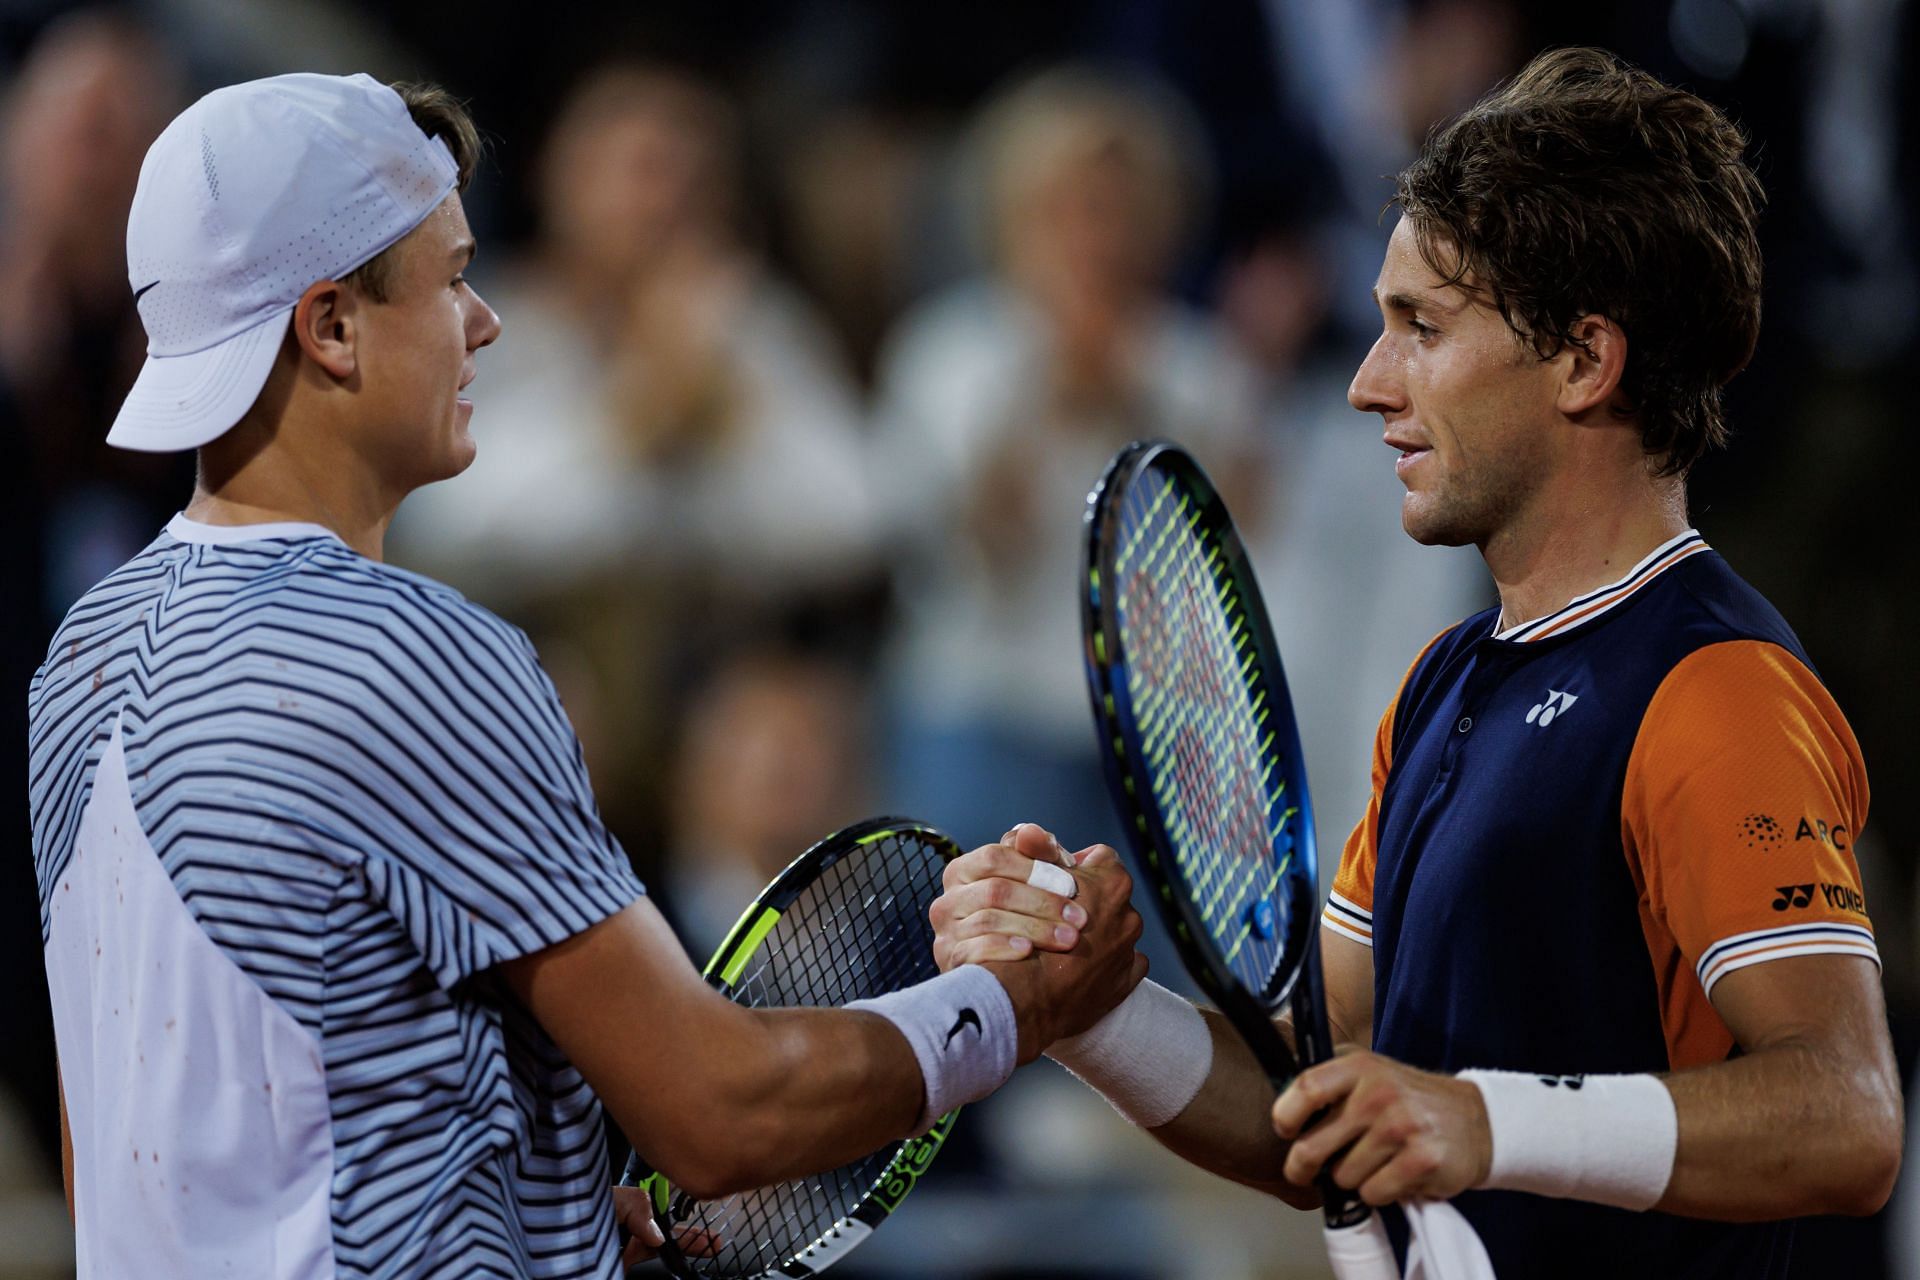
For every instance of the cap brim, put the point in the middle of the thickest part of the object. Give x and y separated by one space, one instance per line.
182 402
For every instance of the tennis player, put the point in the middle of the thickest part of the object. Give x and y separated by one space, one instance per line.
1601 930
343 962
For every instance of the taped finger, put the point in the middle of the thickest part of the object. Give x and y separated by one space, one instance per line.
1045 875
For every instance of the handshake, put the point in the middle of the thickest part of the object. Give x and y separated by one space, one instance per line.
1055 928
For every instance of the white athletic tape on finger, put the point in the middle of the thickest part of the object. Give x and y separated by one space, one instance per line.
1044 875
1148 1056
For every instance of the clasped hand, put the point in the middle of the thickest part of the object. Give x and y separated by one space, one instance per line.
1065 961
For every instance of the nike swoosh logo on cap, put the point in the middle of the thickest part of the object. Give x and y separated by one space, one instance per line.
141 292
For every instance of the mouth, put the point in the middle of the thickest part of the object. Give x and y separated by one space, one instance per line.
1411 448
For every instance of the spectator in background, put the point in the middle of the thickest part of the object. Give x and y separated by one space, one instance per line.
689 406
1000 402
1368 78
92 93
771 759
673 450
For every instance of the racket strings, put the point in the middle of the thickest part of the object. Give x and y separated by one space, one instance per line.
1203 723
859 930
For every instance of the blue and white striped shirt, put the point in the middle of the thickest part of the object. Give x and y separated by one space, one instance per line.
364 792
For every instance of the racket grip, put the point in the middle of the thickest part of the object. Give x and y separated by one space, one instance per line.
640 1174
1340 1207
1361 1251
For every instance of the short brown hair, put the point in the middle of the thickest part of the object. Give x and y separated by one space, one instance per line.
1585 186
439 115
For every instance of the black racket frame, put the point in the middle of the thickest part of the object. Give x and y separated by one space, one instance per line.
914 1155
1296 987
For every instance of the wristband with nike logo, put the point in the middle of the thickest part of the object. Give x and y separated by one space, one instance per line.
962 1030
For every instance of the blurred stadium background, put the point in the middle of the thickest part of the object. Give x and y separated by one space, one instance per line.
820 317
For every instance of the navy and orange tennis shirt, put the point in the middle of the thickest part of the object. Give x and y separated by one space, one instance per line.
1580 826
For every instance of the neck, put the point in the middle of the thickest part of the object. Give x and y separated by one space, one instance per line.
368 538
1587 542
243 481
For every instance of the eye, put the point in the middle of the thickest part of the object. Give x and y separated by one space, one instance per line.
1421 329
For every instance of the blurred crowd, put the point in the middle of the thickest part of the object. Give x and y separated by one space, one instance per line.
821 318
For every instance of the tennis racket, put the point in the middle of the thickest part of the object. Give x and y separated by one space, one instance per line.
1203 762
846 921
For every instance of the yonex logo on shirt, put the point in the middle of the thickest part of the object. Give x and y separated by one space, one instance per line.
1557 703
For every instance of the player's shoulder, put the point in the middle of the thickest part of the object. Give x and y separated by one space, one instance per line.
311 609
1449 647
429 622
1705 602
1427 674
404 590
106 608
1729 657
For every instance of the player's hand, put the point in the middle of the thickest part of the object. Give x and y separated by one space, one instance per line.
990 912
1057 995
633 1210
1390 1131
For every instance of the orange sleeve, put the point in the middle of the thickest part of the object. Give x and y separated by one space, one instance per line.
1744 794
1349 909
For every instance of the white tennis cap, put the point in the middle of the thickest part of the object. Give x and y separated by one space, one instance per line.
251 195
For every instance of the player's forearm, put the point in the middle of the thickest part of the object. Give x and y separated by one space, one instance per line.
1799 1127
785 1092
1225 1131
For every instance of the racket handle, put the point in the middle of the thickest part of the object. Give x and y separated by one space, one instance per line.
1362 1251
640 1174
1339 1206
1344 1210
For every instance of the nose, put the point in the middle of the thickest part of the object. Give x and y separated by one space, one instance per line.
1375 387
483 323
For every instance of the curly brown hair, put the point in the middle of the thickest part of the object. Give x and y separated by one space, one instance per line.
1585 186
439 115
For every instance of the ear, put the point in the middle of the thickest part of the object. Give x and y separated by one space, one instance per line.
1596 356
325 324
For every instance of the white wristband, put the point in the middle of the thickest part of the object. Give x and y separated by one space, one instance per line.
1148 1056
1608 1139
963 1033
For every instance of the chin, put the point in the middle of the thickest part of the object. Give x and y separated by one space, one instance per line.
447 464
1432 528
459 452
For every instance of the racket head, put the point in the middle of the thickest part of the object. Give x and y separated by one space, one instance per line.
846 920
1198 737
